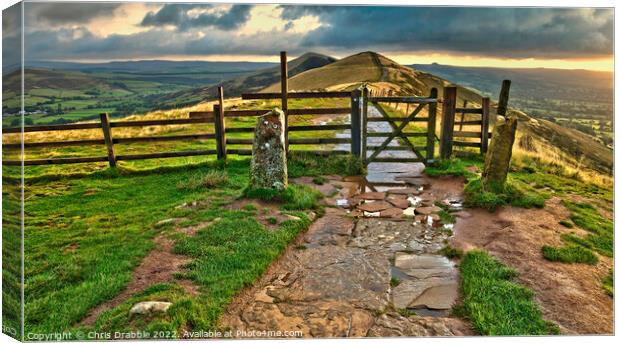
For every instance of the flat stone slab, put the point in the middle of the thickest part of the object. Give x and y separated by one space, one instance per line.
371 196
408 261
440 297
332 272
391 213
428 210
412 293
401 203
374 206
332 228
405 191
416 181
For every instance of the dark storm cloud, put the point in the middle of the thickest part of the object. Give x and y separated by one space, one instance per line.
177 15
57 44
67 12
11 37
499 32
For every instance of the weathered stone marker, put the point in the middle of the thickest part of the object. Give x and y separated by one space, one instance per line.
498 157
268 168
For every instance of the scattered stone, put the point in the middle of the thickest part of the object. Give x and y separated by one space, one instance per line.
436 220
268 167
414 201
371 196
391 213
409 212
398 202
169 220
372 214
291 217
420 218
342 203
147 307
374 206
311 216
427 210
416 246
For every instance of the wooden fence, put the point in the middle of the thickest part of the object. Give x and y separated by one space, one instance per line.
215 117
450 136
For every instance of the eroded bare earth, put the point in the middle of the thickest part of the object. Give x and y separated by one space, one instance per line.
569 294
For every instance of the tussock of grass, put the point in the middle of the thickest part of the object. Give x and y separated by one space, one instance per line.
210 179
600 236
294 197
495 304
302 163
454 167
569 254
566 223
512 193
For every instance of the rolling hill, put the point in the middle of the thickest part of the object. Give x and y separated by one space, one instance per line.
247 83
378 71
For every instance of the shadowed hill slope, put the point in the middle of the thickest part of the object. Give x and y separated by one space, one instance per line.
247 83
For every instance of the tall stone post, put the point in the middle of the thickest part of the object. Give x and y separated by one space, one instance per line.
268 168
498 157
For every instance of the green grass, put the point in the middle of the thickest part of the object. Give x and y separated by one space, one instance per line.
566 223
608 283
210 179
600 237
85 233
455 166
513 193
494 303
394 282
569 254
294 197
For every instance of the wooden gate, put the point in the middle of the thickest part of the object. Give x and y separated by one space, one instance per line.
423 148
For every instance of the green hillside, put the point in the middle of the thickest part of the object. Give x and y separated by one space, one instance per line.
380 72
246 83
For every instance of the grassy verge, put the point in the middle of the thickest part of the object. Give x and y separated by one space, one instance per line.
494 303
86 233
581 249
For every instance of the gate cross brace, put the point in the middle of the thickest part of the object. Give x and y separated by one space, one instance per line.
397 132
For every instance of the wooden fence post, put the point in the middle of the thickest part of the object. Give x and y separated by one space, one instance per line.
447 122
356 121
107 137
463 115
364 122
430 135
220 127
484 137
504 94
284 90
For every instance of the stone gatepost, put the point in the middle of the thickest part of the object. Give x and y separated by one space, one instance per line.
498 157
268 168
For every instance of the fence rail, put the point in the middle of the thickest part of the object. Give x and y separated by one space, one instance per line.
215 117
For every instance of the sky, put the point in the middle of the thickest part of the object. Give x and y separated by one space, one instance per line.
570 38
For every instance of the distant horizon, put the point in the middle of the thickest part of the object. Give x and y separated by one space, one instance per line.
499 37
276 61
